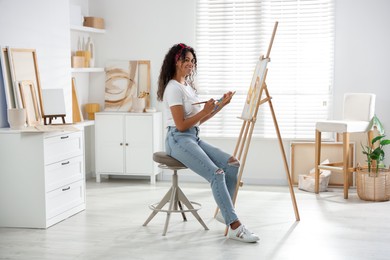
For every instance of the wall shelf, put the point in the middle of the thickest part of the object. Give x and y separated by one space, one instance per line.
75 70
86 29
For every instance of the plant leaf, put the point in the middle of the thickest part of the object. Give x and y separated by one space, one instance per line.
385 142
379 137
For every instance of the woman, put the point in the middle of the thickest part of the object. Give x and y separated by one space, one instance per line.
184 114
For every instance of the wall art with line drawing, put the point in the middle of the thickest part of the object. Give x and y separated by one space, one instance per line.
125 80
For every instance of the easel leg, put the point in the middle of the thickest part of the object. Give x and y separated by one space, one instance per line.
292 194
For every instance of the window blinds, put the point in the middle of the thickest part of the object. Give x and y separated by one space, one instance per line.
231 36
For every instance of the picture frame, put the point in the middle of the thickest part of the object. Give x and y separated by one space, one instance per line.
125 81
144 82
29 102
23 67
333 151
7 79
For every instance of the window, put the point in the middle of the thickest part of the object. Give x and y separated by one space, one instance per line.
231 36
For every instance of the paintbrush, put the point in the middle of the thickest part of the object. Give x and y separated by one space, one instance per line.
219 100
197 103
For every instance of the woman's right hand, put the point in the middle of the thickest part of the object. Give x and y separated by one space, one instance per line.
209 106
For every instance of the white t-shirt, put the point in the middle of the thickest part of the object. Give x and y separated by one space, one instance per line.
178 94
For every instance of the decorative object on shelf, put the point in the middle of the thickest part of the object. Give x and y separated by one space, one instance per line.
78 61
91 109
86 55
373 181
150 110
16 118
95 22
125 81
90 47
138 105
76 111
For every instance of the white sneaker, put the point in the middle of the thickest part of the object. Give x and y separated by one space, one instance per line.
242 234
220 218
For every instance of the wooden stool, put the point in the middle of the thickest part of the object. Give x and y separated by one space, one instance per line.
358 110
175 195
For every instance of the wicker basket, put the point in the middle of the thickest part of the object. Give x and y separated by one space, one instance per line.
373 186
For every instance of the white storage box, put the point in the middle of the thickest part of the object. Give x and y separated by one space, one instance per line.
307 182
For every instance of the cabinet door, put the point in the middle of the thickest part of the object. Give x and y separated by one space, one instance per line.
109 143
139 151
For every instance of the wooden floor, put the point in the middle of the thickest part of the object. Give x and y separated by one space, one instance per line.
111 227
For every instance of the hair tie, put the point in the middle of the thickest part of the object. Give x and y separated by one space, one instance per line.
180 51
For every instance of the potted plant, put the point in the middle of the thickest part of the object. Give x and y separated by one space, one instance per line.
373 181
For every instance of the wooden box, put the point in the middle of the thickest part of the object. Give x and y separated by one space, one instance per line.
78 62
94 22
302 159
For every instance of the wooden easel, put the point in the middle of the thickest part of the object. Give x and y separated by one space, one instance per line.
244 139
51 118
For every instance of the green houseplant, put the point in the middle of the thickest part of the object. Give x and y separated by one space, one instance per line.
375 150
373 183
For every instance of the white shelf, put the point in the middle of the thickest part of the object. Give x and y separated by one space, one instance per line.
74 70
86 29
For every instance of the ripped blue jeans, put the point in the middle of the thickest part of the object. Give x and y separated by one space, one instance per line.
207 161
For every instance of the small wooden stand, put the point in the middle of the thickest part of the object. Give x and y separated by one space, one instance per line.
248 124
51 117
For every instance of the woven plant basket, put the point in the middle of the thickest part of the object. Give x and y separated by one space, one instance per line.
373 186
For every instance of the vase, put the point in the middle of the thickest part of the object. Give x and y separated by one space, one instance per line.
16 118
373 186
138 105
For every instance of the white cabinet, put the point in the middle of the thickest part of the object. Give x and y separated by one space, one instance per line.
42 177
125 143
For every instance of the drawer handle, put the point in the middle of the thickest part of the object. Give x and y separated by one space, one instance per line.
65 163
121 144
127 144
64 137
65 189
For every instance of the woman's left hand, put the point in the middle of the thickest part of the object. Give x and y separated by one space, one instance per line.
227 97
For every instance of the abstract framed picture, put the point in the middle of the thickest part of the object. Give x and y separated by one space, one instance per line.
126 80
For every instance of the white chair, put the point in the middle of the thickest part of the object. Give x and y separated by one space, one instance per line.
358 110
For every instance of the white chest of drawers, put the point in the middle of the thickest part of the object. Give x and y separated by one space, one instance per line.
42 178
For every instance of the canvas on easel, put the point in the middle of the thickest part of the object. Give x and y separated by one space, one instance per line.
257 95
252 98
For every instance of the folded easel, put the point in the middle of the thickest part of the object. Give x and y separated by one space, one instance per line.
254 100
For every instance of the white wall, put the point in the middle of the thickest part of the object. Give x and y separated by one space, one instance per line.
147 29
143 30
42 25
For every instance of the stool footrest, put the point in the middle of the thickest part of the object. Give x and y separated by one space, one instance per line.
331 168
154 208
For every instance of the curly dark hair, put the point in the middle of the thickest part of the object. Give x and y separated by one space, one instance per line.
168 68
